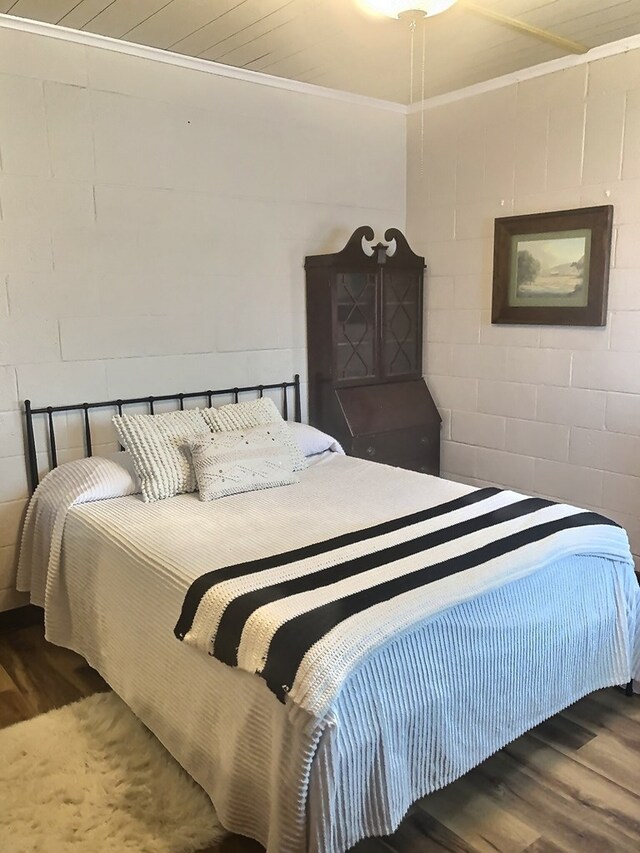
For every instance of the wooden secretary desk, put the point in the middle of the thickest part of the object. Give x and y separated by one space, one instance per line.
364 339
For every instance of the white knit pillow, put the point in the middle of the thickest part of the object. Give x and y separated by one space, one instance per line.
157 444
243 460
250 414
242 415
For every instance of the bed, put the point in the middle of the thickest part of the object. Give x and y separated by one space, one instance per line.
419 707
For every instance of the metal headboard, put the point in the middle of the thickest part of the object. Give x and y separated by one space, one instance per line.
118 405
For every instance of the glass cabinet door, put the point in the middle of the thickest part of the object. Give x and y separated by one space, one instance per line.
355 322
401 307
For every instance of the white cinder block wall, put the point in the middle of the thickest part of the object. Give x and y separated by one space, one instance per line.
153 227
154 221
549 410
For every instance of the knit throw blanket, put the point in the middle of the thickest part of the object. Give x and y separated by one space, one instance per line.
304 619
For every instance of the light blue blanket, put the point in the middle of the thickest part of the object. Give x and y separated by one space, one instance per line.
441 700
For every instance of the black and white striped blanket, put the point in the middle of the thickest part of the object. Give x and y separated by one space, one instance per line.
303 619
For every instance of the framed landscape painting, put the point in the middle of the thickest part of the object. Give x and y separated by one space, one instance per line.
552 268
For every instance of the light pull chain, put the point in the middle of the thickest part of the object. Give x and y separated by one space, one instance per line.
412 28
424 56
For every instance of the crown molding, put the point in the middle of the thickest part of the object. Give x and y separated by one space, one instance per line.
193 63
259 78
613 48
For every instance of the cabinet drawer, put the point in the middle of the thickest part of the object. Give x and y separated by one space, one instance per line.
406 448
431 466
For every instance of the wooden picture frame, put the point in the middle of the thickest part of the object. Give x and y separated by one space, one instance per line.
552 268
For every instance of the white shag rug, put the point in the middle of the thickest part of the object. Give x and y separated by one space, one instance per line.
90 778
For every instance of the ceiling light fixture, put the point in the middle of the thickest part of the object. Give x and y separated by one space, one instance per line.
418 8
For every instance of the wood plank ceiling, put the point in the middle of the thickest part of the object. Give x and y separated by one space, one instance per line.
335 43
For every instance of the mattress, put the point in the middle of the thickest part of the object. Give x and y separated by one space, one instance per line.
398 728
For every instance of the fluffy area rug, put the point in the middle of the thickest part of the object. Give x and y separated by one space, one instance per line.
90 778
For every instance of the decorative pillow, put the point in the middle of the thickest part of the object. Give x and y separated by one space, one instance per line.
242 415
250 414
312 441
234 461
157 445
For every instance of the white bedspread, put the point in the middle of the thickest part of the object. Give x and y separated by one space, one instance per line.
115 586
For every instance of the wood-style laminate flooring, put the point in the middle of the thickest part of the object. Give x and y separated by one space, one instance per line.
571 784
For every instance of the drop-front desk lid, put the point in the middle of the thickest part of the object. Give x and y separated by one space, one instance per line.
394 405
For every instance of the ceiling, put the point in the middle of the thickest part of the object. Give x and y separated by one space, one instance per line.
334 43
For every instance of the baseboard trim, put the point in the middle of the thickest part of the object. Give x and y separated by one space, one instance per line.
21 617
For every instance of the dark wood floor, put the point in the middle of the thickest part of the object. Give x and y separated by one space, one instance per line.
571 784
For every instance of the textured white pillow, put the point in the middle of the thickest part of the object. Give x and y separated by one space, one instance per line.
242 415
157 444
250 414
244 460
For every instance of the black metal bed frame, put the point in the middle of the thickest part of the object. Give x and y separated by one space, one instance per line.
30 412
49 411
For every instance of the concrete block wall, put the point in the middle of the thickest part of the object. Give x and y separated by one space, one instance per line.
153 227
546 410
154 221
